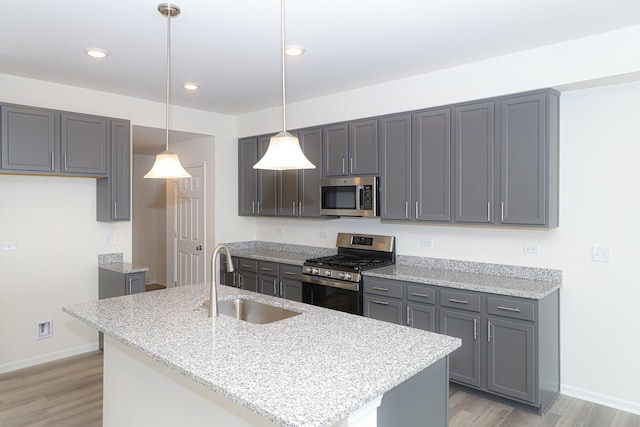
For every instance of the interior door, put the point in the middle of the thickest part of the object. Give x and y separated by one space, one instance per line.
190 228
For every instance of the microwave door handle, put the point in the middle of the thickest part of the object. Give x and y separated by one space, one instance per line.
359 194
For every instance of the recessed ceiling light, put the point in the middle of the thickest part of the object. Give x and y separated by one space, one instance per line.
96 53
190 86
293 50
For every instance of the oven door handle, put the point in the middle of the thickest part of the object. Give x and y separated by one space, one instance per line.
350 286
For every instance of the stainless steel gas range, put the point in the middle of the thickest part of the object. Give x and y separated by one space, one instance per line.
336 281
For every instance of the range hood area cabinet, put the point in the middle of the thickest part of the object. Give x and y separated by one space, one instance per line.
48 142
350 149
293 193
492 162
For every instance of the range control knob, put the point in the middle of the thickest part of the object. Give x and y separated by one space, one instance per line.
344 276
315 271
327 273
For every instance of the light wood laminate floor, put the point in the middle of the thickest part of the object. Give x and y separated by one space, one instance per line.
68 393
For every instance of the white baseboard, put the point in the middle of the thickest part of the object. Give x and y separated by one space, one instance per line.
32 361
601 399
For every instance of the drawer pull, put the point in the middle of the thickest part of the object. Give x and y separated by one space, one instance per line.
415 294
245 265
515 310
381 289
289 273
458 301
266 269
379 302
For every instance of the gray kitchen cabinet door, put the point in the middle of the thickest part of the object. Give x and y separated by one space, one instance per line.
287 185
431 189
421 316
474 163
249 281
395 167
269 285
528 161
247 176
267 183
134 283
28 139
291 289
335 150
511 359
225 277
84 144
464 363
113 194
363 147
381 308
309 179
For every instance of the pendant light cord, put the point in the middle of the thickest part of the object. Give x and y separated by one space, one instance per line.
168 73
284 104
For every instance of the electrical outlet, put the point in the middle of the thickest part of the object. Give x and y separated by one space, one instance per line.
110 239
323 235
601 253
9 246
426 242
531 248
44 330
279 231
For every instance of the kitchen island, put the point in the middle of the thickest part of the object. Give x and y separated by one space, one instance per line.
167 363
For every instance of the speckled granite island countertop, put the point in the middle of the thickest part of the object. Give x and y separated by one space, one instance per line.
113 262
309 370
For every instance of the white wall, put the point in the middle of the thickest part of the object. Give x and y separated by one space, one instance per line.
599 172
52 220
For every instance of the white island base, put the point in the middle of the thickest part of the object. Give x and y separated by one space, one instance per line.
141 392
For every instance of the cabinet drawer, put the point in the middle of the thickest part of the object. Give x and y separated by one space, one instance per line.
523 310
269 268
389 288
246 264
291 271
421 294
460 300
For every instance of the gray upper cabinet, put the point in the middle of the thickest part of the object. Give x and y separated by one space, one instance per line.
29 139
351 148
299 190
84 144
267 183
529 160
474 163
395 167
431 187
247 176
114 192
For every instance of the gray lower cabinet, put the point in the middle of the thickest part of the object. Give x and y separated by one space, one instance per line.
248 275
464 363
115 284
225 277
350 148
281 280
474 162
383 300
113 202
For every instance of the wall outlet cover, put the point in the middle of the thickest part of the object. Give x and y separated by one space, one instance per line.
426 242
601 253
9 246
531 248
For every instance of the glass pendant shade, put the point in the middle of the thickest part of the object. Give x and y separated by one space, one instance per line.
284 153
167 166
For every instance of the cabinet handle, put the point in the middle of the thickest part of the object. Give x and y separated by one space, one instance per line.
406 210
475 329
408 316
294 208
488 211
115 209
415 294
343 171
65 161
488 330
240 281
253 207
501 211
458 301
416 210
266 269
381 289
515 310
275 291
299 208
282 289
235 284
52 161
289 273
351 165
129 285
245 265
258 207
375 301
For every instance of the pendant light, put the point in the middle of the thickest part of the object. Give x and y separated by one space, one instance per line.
167 164
284 152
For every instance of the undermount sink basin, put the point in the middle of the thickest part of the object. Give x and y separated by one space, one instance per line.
253 312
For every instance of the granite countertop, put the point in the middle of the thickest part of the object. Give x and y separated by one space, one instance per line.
123 267
494 284
295 372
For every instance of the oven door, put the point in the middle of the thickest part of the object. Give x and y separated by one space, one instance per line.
333 294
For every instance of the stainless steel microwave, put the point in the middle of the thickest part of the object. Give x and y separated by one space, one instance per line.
351 196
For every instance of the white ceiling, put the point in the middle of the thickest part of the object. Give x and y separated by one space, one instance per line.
231 47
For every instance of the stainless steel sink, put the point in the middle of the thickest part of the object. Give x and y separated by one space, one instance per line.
254 312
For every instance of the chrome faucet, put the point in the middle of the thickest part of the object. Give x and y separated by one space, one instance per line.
213 299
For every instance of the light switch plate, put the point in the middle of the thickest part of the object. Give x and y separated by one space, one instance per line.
426 242
110 239
9 246
601 253
531 248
